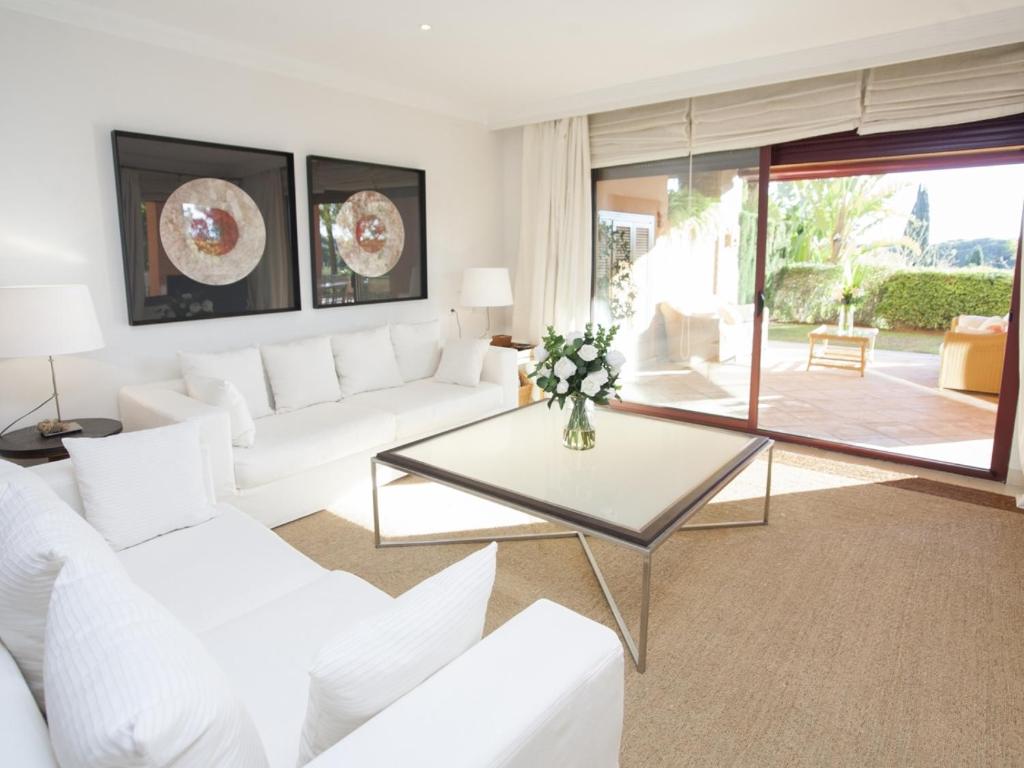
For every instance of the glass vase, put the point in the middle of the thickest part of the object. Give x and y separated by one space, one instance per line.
841 323
849 320
579 434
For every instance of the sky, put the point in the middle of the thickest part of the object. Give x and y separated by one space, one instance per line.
967 203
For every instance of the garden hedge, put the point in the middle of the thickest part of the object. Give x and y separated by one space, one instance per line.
904 298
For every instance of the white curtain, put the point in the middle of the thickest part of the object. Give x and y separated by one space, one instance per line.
944 91
554 262
756 117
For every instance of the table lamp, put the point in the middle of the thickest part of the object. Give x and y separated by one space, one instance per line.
486 287
47 320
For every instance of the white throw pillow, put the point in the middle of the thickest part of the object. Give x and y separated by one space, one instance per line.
301 373
417 348
139 485
25 738
242 367
128 685
462 361
38 532
365 360
363 670
223 394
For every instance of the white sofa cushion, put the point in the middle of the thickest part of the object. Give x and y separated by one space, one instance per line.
127 685
361 671
25 738
462 361
426 406
417 348
280 639
544 689
138 485
38 532
221 393
291 443
365 360
242 367
214 572
301 373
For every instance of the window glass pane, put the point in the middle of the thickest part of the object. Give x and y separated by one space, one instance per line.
675 252
914 271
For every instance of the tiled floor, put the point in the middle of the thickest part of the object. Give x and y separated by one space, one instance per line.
895 406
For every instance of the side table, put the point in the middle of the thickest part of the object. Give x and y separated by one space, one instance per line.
27 443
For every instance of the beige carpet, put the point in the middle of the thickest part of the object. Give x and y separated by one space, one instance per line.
877 621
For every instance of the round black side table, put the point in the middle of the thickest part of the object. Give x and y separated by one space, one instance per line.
27 443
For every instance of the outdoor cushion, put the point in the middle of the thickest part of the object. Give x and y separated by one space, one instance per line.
293 442
425 406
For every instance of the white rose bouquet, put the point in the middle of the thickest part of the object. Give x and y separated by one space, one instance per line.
580 364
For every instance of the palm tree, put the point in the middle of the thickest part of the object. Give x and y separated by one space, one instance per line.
829 220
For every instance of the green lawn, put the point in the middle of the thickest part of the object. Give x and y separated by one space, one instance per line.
896 341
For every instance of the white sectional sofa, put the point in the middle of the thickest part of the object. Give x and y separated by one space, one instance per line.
544 689
315 457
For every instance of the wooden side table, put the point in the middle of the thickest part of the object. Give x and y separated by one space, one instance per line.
841 349
27 443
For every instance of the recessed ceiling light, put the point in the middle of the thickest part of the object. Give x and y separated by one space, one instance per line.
425 27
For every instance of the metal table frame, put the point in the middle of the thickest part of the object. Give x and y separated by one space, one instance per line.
637 647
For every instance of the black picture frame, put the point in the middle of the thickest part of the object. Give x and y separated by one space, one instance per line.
147 169
330 183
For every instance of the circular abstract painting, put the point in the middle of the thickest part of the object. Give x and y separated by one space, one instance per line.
371 235
212 231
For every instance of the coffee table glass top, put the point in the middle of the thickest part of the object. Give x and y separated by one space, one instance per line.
644 475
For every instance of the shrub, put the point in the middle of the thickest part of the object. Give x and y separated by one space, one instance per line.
907 298
931 298
803 293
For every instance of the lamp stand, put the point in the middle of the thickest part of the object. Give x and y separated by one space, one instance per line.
53 380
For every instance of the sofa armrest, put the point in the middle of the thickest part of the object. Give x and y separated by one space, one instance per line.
544 689
501 367
156 405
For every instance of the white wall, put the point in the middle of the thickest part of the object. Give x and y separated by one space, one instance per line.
63 89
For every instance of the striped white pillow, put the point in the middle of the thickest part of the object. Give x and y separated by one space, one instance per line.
139 485
38 531
363 670
127 685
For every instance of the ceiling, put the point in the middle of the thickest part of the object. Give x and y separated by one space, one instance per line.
508 63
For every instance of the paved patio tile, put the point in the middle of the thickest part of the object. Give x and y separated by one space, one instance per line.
896 405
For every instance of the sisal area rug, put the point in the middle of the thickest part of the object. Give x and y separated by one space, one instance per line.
878 620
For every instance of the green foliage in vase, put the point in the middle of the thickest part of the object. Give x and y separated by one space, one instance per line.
579 365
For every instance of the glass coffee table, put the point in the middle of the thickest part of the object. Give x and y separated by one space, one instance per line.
644 480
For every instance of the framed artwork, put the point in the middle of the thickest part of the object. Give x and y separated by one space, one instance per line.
207 230
367 232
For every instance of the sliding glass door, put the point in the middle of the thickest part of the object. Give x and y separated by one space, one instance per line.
676 268
890 299
848 292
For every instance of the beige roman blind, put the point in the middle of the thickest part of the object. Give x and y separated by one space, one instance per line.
640 134
755 117
962 88
945 90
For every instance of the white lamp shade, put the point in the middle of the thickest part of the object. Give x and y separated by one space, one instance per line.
39 320
486 287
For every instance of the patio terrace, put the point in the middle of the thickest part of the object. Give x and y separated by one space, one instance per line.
895 407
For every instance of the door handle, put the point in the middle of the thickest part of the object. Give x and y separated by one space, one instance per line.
760 302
